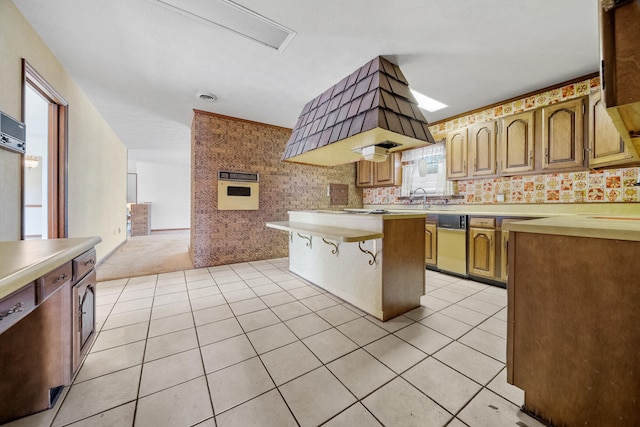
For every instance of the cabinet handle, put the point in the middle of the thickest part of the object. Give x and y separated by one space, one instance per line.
530 157
546 154
90 262
63 276
15 309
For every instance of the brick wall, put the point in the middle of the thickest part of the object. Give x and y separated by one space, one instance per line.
225 143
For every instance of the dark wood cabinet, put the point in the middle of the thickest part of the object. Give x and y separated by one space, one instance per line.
620 44
572 335
46 328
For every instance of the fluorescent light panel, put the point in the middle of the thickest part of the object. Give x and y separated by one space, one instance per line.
235 18
427 103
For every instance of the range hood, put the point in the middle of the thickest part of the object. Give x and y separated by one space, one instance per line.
365 116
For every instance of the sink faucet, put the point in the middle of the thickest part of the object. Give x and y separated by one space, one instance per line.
424 196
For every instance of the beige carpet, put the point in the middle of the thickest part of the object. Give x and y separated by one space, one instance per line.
161 252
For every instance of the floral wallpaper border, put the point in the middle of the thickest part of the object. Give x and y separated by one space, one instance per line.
610 185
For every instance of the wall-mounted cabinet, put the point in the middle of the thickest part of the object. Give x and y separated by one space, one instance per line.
548 139
482 149
457 154
620 43
563 135
517 143
606 147
380 174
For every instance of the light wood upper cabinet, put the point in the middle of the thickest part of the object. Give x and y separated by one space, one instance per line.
482 149
430 243
516 143
364 173
606 147
457 154
563 135
380 174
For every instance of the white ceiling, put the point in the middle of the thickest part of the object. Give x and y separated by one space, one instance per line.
142 65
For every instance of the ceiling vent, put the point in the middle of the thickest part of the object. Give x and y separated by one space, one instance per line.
207 97
235 18
371 107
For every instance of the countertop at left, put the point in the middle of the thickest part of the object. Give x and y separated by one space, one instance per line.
23 261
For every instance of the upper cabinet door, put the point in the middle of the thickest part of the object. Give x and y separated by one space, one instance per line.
457 154
563 135
606 147
385 171
482 149
516 143
364 174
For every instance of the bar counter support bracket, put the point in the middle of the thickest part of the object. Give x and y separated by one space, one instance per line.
372 261
307 238
333 251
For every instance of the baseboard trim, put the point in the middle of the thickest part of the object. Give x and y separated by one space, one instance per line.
110 253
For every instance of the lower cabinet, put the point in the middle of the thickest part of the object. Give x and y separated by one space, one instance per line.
482 252
430 243
46 328
504 259
488 249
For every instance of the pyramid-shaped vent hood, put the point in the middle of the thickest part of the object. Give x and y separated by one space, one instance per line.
371 107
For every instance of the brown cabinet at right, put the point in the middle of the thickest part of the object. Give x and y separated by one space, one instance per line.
606 147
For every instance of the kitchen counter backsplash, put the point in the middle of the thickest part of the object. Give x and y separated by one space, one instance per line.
602 186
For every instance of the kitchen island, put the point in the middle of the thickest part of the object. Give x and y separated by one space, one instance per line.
572 334
372 260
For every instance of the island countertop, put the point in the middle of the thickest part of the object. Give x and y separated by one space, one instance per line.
616 227
24 261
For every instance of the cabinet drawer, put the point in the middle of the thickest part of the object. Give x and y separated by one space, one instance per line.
83 264
16 306
50 282
482 222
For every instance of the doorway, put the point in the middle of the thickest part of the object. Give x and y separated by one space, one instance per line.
44 213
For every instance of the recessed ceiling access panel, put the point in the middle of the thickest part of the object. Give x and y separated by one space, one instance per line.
238 191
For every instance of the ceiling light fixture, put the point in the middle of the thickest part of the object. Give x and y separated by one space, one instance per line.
427 103
233 17
208 97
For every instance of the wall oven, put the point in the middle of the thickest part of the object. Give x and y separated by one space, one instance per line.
238 191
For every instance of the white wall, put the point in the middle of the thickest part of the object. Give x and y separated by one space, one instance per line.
168 188
97 163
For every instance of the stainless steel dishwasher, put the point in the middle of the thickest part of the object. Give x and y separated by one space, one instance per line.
452 244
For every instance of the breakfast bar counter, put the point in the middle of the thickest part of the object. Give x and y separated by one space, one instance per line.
373 260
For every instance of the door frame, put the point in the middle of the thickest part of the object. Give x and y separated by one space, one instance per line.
57 215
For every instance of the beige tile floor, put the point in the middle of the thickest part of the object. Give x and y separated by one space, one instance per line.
252 345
